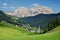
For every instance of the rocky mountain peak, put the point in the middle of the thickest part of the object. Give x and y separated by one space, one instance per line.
35 10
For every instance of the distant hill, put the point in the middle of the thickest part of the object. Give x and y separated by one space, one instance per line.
48 21
40 19
4 17
9 18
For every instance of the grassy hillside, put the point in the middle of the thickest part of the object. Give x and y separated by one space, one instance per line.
11 32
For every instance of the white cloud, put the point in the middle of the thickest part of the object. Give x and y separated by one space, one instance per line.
5 7
4 4
8 7
35 4
11 6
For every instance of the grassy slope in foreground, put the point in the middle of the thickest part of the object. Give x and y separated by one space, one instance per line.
9 33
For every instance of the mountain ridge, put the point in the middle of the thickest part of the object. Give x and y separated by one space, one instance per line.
35 10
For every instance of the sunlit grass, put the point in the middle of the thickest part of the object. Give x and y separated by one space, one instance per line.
14 33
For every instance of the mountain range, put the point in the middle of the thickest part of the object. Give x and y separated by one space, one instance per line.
35 17
35 10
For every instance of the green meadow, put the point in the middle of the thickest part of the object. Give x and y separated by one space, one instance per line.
12 32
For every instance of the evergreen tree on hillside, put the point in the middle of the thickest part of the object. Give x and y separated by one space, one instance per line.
52 24
9 19
3 16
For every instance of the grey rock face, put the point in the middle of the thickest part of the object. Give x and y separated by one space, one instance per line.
25 12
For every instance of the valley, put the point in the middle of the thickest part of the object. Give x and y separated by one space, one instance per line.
33 23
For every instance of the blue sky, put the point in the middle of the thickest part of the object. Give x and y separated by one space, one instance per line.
11 5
